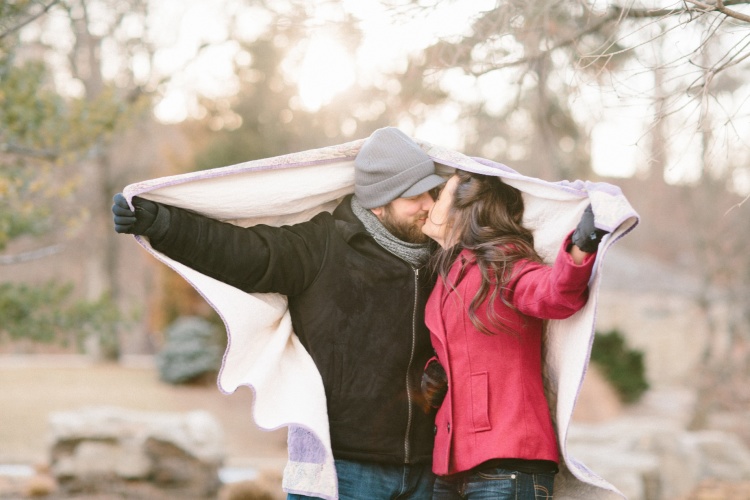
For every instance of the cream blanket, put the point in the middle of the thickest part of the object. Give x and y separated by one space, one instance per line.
263 353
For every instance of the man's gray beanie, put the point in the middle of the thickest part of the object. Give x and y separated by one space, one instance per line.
390 165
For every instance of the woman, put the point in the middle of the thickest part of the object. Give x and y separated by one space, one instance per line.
494 436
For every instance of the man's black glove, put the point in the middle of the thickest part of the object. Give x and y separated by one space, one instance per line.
146 220
587 236
434 383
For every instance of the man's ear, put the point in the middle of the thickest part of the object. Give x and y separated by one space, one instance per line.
378 211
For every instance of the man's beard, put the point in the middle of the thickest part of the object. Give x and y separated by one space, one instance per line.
405 230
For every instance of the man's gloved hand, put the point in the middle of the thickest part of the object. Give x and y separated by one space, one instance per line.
434 383
142 221
587 236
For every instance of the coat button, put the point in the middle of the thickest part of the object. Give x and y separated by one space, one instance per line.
449 426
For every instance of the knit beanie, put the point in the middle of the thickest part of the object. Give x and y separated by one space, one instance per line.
390 165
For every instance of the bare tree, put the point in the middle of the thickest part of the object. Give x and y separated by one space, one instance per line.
549 53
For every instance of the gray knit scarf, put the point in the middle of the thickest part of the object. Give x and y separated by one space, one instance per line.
415 254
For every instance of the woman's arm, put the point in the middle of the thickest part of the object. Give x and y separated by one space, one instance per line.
577 254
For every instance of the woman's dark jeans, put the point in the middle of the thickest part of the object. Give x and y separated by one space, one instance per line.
494 483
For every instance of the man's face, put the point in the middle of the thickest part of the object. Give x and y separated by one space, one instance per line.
404 217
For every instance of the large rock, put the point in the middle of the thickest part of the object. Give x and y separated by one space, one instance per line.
650 452
114 450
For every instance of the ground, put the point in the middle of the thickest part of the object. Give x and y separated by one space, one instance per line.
33 387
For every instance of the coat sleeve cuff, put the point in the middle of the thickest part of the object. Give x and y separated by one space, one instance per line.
433 359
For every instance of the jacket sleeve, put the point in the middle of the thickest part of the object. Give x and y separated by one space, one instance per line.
551 292
256 259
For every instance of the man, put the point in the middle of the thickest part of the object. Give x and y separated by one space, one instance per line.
357 290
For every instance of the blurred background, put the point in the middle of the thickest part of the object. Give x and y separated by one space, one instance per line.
651 96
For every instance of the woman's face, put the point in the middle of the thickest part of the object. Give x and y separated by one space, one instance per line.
436 226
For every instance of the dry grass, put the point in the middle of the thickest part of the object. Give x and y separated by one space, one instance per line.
31 389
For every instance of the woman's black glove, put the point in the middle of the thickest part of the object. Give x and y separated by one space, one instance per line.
434 383
147 219
587 236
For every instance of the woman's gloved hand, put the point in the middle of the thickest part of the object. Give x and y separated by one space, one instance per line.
587 236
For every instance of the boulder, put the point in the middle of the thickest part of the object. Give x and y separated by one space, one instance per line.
116 450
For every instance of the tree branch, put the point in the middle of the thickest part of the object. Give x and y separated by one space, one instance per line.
45 154
734 14
29 20
701 7
616 14
8 260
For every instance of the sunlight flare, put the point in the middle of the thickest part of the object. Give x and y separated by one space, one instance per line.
326 70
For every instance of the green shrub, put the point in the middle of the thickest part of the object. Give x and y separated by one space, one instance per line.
622 366
192 350
49 314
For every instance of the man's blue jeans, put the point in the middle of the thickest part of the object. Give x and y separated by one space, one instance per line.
373 481
494 483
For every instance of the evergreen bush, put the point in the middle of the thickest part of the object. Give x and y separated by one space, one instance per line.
192 350
621 365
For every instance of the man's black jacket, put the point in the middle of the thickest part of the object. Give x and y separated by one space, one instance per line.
357 309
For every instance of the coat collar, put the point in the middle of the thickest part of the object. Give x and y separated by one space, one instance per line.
346 222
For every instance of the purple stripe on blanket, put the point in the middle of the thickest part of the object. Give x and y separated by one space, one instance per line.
304 446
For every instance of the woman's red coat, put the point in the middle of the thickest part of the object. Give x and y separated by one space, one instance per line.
495 406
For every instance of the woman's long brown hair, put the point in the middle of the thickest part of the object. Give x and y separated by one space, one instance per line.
486 218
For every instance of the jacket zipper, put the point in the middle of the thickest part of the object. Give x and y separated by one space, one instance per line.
408 368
